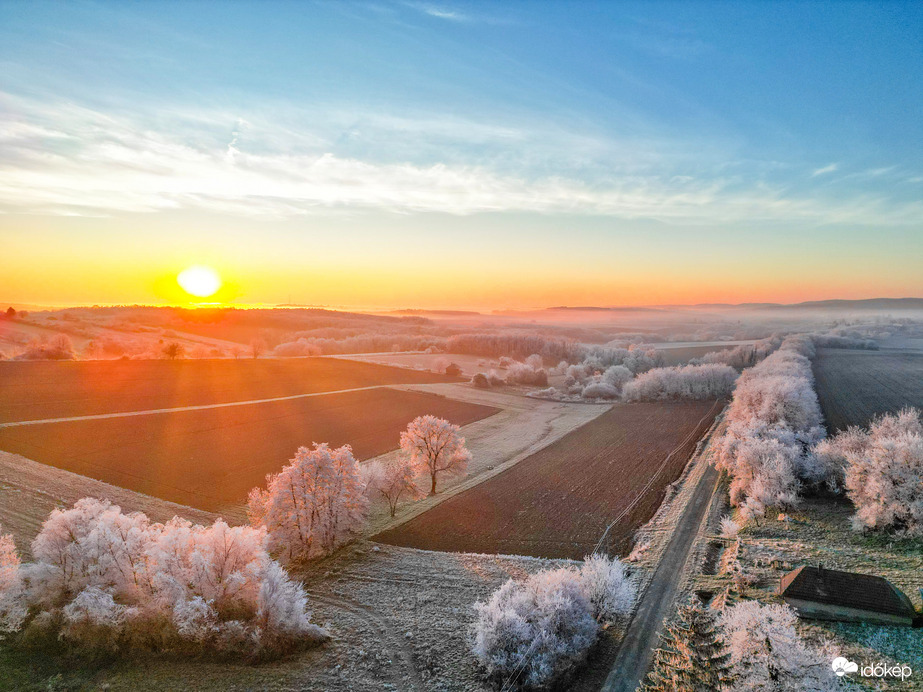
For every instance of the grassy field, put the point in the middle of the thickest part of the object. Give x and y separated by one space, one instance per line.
37 390
211 458
559 501
855 386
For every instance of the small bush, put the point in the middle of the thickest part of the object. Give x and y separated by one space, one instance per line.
538 629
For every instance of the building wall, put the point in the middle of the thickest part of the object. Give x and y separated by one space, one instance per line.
822 611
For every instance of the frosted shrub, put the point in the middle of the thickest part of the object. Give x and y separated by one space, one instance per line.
104 580
59 347
599 390
480 381
617 376
535 630
298 348
767 652
686 382
606 585
12 603
313 505
729 527
883 471
527 374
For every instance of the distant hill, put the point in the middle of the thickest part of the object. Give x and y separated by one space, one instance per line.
866 304
593 308
438 313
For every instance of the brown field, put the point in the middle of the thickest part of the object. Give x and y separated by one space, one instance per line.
211 458
855 386
37 390
558 502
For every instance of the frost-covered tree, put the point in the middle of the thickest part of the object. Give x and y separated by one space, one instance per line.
394 480
607 587
435 447
530 632
767 652
773 421
12 604
102 579
882 471
313 505
686 382
693 656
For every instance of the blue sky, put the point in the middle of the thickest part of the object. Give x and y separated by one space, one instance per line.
748 150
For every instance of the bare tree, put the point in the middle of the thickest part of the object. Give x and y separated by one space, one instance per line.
433 445
257 347
394 480
173 350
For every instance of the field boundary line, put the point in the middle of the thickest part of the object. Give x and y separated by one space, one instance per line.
180 409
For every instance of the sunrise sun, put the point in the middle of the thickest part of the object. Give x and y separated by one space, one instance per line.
199 281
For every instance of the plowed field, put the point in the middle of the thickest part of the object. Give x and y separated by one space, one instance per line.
36 390
559 502
211 458
855 386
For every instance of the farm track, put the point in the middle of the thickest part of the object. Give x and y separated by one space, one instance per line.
855 386
179 409
634 655
559 501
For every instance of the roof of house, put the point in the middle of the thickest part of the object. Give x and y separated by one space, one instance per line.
846 589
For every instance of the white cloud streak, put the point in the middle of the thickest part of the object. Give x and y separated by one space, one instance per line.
71 160
825 170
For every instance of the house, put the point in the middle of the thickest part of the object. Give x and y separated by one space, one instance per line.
828 594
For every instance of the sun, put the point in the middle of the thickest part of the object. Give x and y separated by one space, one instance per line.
199 281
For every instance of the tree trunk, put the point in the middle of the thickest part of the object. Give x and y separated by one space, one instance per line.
433 489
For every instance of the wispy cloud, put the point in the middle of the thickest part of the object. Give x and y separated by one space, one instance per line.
439 12
825 170
72 160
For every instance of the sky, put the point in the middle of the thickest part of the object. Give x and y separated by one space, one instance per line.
461 155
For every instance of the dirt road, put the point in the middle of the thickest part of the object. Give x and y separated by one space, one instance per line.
643 635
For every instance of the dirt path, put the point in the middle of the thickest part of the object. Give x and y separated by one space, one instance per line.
200 407
643 635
